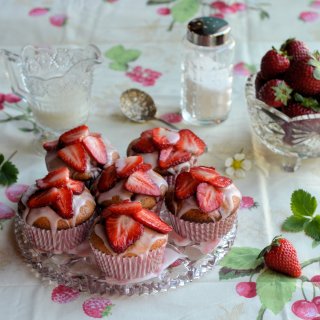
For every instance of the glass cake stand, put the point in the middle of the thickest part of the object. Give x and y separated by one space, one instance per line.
79 271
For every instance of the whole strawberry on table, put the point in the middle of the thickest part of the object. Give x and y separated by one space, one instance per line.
289 79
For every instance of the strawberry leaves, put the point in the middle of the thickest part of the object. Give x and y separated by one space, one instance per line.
8 171
303 218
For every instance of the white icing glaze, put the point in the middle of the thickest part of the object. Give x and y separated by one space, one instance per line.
117 190
31 215
142 245
120 190
226 208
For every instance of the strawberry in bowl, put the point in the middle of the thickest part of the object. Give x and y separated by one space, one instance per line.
284 102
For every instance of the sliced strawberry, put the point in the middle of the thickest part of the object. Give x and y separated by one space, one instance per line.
63 204
221 182
128 165
74 135
76 186
127 207
164 138
107 179
185 185
150 220
51 145
74 155
55 178
190 142
144 167
144 144
96 148
170 157
147 134
208 197
141 182
204 174
43 198
122 231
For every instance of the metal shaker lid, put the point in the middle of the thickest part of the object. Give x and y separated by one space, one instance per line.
208 31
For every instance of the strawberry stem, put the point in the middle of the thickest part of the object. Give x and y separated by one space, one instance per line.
308 262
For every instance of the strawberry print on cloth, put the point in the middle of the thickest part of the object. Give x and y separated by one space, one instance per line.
97 307
273 289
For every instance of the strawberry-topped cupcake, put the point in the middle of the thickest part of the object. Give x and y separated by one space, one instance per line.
84 153
130 179
169 152
57 211
129 241
203 204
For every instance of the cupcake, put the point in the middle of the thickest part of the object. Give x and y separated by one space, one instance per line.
56 212
203 204
84 153
130 179
128 241
169 152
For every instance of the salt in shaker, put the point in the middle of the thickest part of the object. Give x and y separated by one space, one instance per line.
208 50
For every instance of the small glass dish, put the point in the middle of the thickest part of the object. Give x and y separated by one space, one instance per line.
293 138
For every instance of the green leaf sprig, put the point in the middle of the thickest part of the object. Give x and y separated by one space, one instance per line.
303 218
8 171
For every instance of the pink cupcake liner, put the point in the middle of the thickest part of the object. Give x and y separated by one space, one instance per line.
171 181
61 240
202 232
129 268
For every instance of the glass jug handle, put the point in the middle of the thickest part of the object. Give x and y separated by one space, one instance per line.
12 63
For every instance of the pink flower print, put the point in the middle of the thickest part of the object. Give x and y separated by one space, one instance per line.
39 11
11 98
248 203
172 117
97 307
239 6
6 212
241 69
309 16
58 20
228 9
146 77
164 11
2 97
63 294
218 5
14 192
315 4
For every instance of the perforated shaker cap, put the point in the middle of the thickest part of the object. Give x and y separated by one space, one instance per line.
208 31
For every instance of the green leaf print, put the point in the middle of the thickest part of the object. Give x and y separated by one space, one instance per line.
121 57
228 273
244 258
118 66
275 290
184 10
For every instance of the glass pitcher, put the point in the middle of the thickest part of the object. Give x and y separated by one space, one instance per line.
56 83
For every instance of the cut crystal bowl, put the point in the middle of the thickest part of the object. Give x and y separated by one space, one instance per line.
294 138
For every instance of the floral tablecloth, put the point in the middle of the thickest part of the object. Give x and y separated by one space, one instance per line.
146 36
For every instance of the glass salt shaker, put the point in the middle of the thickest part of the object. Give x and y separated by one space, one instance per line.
207 71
